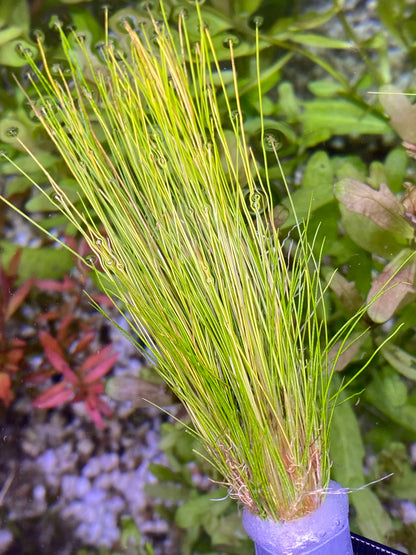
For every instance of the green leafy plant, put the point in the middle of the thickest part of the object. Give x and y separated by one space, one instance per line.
206 518
177 206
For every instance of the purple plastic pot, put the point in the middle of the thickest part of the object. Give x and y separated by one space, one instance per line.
323 532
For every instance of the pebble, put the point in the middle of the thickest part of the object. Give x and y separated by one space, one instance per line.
6 539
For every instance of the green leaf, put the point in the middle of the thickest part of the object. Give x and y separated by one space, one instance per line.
43 201
15 14
13 127
377 174
13 52
396 166
369 235
28 165
347 448
401 361
347 452
194 511
324 88
372 519
381 205
42 262
288 103
315 137
387 393
340 117
316 190
167 492
225 530
164 473
349 166
389 11
245 5
9 33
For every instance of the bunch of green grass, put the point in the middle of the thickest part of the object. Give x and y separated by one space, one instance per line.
179 213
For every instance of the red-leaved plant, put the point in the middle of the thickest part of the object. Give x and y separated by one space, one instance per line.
12 349
83 383
66 341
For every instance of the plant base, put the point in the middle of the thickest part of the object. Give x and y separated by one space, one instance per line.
324 532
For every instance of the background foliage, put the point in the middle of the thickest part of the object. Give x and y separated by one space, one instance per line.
342 157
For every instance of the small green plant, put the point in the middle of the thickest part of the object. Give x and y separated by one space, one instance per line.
178 208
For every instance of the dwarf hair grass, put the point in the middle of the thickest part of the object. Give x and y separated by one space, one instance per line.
234 318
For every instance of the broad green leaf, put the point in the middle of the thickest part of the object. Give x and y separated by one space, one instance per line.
244 5
347 448
372 519
389 11
167 492
15 14
396 165
225 530
316 190
387 393
393 287
341 117
347 452
349 166
288 103
194 510
369 235
42 262
13 127
28 165
376 175
319 173
9 33
324 88
17 184
270 75
401 361
13 53
164 473
87 24
313 138
381 205
44 201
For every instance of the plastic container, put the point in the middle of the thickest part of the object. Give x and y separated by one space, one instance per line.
323 532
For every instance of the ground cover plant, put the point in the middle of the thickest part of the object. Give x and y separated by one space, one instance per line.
386 409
